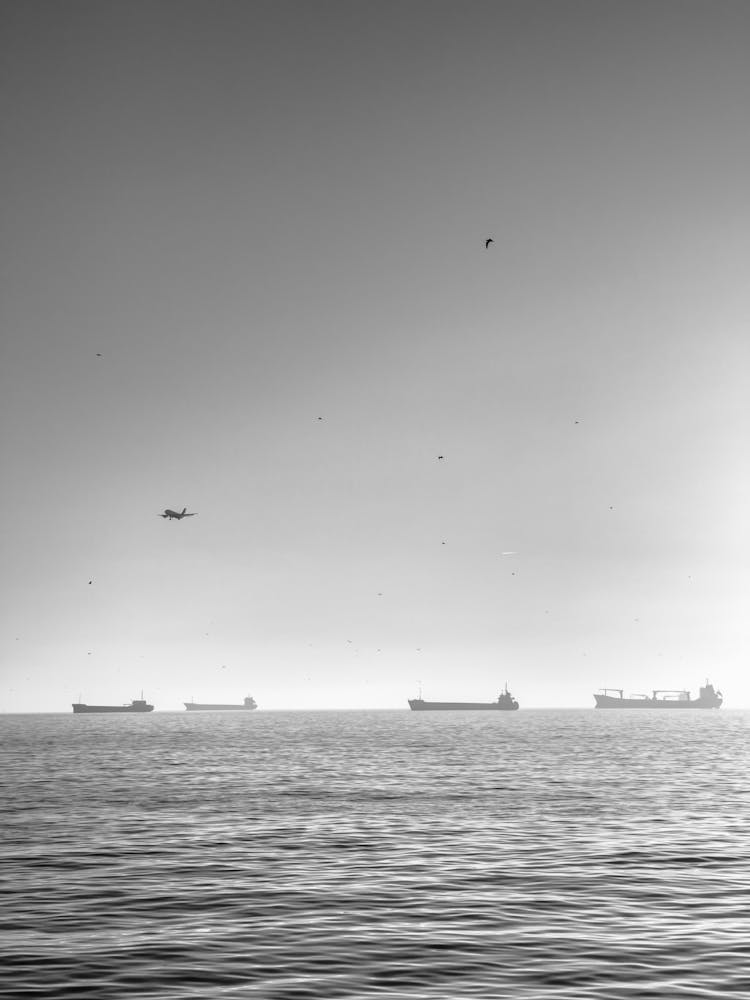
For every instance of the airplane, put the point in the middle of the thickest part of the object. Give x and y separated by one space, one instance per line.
173 513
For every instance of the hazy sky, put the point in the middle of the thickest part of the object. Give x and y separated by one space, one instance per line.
261 214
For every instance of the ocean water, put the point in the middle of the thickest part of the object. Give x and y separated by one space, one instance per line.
535 854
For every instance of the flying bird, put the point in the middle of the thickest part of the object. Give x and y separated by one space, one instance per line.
173 513
440 458
487 243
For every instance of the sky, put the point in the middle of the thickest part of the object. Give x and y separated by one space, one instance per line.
243 271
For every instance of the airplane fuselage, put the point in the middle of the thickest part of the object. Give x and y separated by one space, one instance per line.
177 515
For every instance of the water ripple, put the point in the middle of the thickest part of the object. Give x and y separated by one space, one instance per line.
544 856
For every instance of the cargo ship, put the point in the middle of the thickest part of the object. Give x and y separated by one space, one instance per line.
505 703
138 705
660 698
247 705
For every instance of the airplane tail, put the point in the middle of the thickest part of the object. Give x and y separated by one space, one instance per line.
184 509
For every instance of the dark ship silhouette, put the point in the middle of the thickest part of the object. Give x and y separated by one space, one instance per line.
247 705
660 698
505 703
138 705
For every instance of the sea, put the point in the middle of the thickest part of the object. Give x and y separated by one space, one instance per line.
532 855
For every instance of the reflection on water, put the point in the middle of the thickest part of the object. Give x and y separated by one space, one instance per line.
574 855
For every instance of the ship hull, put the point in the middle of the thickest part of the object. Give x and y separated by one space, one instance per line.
417 705
194 706
607 701
80 709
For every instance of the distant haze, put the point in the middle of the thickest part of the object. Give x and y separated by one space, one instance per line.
261 214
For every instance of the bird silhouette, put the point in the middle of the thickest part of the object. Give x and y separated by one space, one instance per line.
440 458
487 242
